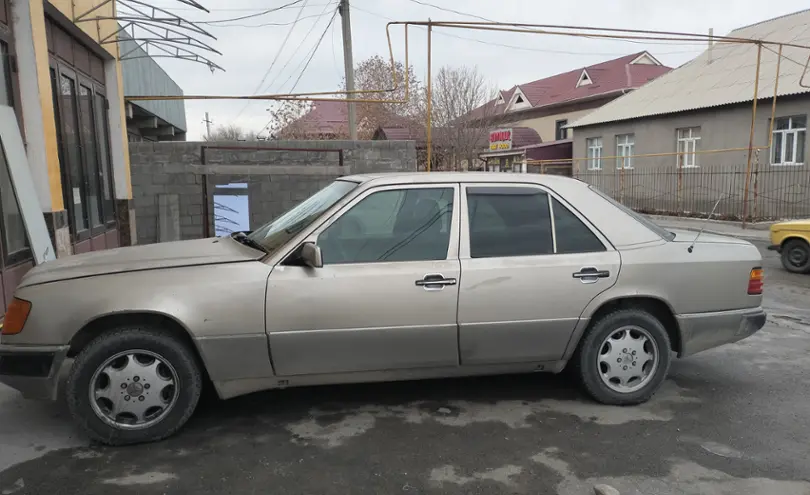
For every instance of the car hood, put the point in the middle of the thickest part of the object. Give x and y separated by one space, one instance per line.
794 225
137 258
682 235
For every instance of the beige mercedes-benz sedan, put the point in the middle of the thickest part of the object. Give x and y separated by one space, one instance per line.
375 278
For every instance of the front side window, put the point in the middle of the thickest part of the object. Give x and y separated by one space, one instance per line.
688 140
508 221
789 134
594 152
278 232
625 147
392 225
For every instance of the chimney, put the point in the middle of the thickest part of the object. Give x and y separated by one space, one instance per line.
711 42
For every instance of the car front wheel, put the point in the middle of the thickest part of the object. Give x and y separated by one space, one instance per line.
133 385
624 357
796 256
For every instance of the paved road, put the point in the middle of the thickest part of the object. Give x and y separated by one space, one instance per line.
731 420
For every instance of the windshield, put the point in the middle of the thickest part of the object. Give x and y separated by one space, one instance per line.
276 233
638 217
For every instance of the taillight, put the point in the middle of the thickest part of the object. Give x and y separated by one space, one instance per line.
16 315
755 282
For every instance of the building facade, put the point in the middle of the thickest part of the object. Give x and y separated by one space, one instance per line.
681 143
150 120
66 90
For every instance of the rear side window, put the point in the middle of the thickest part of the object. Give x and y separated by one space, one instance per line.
573 236
508 221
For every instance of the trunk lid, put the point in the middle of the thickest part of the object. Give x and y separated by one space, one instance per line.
688 236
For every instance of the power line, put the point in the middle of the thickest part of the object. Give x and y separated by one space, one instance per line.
311 56
427 4
243 9
273 63
272 23
306 36
264 12
516 47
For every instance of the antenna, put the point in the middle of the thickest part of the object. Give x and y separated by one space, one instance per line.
142 26
692 246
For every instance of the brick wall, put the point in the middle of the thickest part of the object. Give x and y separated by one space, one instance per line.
169 179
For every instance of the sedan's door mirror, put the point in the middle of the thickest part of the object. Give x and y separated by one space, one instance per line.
311 254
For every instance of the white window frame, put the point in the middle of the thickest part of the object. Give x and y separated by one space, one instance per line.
687 140
593 153
783 147
625 147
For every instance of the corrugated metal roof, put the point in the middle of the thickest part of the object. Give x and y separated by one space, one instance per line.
728 79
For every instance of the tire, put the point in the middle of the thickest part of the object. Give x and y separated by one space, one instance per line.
176 396
631 324
796 256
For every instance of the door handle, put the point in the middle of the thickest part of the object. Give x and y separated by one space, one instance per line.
590 274
435 281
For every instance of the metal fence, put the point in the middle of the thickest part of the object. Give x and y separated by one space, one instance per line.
773 192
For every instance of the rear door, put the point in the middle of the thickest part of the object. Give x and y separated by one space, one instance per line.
529 266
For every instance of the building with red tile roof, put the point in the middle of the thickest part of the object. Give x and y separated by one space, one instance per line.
548 105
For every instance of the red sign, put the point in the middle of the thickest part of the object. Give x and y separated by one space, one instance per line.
500 139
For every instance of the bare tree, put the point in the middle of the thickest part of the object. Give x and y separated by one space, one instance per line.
462 113
374 74
286 120
230 132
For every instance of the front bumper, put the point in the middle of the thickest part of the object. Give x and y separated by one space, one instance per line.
33 370
775 247
703 331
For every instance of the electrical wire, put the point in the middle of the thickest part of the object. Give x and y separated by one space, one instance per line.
244 9
300 45
264 12
516 47
272 23
273 63
311 56
427 4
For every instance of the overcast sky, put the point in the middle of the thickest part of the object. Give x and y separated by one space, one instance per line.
249 46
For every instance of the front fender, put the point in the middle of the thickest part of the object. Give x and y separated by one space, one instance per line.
221 306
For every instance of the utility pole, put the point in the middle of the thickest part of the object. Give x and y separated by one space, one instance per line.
348 63
207 126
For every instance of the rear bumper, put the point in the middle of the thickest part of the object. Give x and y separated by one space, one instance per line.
703 331
775 247
33 370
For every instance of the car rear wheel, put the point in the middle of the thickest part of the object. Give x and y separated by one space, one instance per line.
796 256
133 385
624 357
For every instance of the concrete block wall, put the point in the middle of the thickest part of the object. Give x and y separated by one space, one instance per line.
277 179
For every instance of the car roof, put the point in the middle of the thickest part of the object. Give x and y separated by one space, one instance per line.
436 177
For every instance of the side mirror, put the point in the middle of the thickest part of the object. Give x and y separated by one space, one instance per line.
311 254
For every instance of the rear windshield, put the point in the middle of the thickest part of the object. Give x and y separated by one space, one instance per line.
643 220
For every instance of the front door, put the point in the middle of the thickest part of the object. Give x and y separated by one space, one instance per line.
387 293
529 267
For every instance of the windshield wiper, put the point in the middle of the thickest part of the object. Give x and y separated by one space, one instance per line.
247 241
